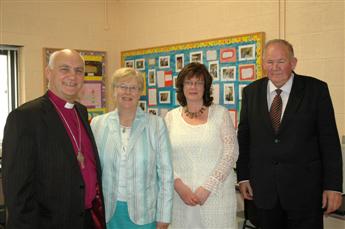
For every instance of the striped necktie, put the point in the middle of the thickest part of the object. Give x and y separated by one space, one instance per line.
276 110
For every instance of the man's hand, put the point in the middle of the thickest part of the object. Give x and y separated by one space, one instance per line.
246 190
202 195
160 225
331 201
185 193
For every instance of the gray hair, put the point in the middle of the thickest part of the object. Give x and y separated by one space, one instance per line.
282 42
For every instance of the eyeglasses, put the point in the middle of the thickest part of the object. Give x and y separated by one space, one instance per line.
131 89
189 83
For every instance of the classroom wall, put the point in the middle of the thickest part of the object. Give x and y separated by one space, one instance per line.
315 28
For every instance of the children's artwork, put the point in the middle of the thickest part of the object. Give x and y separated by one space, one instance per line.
91 94
233 62
247 72
228 55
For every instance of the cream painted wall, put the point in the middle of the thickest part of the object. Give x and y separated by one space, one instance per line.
315 28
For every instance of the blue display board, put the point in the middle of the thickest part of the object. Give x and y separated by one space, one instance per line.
233 62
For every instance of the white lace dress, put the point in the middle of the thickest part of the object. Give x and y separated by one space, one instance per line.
204 155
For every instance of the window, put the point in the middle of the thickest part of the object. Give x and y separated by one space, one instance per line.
9 83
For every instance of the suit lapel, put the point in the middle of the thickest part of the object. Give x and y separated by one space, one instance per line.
295 98
264 106
53 120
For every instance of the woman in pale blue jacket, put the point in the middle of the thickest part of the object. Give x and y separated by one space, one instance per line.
135 156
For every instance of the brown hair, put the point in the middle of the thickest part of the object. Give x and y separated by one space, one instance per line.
194 70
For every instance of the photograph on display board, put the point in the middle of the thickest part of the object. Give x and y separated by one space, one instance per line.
196 57
140 64
93 65
247 52
164 97
228 73
229 93
129 63
179 62
213 68
152 77
164 62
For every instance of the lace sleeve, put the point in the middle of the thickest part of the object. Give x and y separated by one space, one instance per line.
229 157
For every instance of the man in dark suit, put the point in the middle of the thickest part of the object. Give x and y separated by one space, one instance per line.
51 169
290 158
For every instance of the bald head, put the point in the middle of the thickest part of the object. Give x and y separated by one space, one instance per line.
64 52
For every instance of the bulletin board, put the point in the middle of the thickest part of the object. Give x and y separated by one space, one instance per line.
92 94
233 62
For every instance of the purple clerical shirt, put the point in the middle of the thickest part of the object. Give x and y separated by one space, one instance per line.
89 172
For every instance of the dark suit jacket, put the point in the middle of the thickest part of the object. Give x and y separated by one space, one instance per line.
299 162
43 185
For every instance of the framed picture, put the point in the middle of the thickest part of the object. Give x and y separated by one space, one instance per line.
142 104
233 116
247 72
164 97
164 62
91 94
228 73
227 55
129 63
228 93
179 62
152 77
213 68
153 111
152 61
140 64
196 57
211 55
152 94
247 52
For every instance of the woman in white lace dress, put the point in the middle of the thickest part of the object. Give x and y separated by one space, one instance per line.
205 151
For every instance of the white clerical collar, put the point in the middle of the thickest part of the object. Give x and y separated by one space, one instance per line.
69 105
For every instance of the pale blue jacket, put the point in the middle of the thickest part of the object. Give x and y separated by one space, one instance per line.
149 171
